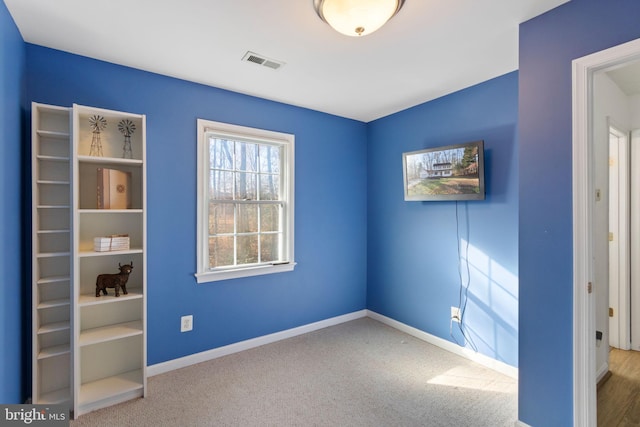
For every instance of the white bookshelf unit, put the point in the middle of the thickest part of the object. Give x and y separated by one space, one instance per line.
88 352
51 254
109 332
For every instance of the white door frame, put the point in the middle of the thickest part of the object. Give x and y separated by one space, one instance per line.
635 239
584 366
619 225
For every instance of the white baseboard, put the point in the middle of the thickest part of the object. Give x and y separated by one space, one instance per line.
182 362
481 359
602 372
521 424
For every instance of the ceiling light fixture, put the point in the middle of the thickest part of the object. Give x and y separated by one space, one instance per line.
357 17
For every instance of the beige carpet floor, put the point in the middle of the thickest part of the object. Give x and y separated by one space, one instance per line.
360 373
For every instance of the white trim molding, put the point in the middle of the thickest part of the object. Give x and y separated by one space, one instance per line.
183 362
584 369
521 424
481 359
584 406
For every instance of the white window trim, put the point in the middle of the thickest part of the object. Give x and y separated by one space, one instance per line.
203 273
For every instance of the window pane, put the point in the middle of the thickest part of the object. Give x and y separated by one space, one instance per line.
247 218
246 186
269 247
221 185
246 157
220 153
220 218
269 187
248 249
220 251
269 159
270 218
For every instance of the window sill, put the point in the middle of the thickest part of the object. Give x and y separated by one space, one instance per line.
214 276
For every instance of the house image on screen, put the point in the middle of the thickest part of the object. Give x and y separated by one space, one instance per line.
437 170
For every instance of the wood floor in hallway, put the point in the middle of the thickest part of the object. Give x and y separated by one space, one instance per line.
619 396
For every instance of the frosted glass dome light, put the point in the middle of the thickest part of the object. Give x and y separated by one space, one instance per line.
357 17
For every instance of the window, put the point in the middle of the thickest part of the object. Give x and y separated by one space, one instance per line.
245 201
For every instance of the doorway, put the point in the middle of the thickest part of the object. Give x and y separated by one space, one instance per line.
588 259
618 89
620 214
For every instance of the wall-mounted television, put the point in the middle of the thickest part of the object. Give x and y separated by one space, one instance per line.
452 172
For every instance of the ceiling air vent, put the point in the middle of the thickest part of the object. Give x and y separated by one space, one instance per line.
262 60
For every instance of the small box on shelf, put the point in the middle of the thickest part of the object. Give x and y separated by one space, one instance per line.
116 242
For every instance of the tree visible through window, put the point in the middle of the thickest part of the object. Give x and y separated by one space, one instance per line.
245 206
248 190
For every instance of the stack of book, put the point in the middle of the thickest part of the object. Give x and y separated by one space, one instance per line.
116 242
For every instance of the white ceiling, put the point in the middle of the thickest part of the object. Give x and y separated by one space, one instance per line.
431 48
627 78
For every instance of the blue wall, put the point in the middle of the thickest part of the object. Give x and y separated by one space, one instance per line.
12 296
548 44
413 246
330 203
410 247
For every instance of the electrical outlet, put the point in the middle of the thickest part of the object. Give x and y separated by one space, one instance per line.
455 314
186 323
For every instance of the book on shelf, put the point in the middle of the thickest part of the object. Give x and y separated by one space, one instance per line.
114 189
115 242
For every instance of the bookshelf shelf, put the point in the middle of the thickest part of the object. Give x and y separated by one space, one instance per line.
42 232
91 299
53 254
54 327
110 333
86 254
50 182
57 350
109 160
53 134
57 397
53 158
111 390
110 211
63 302
53 279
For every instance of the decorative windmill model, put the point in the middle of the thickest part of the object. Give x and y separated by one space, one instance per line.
97 124
126 127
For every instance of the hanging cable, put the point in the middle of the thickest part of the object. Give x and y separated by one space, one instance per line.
463 293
